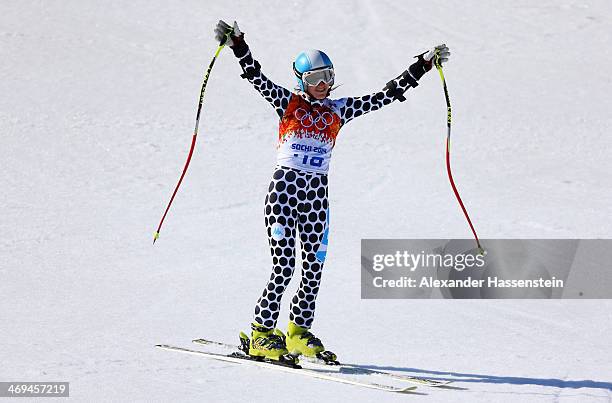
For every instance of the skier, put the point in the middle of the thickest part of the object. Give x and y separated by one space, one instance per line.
297 195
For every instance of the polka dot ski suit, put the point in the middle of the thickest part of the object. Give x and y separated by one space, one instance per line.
296 202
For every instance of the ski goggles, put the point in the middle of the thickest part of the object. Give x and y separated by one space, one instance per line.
313 78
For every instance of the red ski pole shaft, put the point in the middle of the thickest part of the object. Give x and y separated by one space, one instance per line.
193 139
448 164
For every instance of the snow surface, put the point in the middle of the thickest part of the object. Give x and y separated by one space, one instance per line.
96 115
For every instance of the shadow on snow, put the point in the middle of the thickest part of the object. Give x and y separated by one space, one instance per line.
478 378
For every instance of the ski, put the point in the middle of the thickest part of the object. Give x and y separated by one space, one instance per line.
349 368
240 358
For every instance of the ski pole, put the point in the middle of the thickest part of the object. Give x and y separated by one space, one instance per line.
195 135
448 136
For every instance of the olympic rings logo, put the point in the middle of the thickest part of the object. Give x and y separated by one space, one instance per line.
319 120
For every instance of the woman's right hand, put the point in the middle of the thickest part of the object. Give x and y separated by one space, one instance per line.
225 32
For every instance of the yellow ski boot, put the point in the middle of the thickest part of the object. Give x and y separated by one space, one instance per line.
265 343
300 341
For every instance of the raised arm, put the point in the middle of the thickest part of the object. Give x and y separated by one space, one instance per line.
353 107
276 95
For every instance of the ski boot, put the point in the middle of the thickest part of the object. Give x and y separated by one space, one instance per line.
300 341
266 345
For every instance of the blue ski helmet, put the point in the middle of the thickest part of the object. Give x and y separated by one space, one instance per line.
310 60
